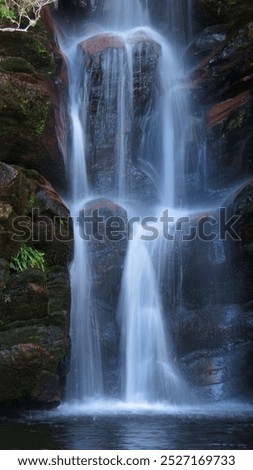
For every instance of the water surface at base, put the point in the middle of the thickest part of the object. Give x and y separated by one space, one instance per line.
125 428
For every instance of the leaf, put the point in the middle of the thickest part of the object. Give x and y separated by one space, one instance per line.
28 257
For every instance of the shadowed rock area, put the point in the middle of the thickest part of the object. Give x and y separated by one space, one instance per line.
34 305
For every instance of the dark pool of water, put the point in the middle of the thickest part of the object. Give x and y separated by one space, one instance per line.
128 431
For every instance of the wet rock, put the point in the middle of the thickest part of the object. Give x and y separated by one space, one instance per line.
221 91
241 204
100 43
104 146
217 374
205 43
107 257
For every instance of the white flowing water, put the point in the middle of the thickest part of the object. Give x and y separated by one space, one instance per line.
121 15
179 16
148 373
148 370
85 377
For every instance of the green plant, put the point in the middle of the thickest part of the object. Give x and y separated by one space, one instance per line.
31 201
5 11
22 13
28 257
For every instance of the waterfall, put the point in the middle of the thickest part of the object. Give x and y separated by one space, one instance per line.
119 15
179 16
85 377
148 372
102 121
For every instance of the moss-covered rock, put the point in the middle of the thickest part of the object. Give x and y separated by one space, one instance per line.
22 367
36 216
29 103
34 305
25 296
33 47
34 339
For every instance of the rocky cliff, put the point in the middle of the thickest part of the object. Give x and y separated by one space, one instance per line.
34 303
215 331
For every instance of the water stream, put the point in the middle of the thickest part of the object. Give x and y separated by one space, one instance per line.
148 372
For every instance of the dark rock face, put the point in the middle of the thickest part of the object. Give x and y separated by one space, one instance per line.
27 198
233 13
208 302
107 250
213 324
34 306
221 91
34 336
29 104
214 349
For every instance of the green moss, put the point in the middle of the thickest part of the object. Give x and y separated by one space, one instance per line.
237 121
25 102
33 47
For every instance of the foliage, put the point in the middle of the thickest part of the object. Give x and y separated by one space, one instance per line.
28 257
22 13
5 11
31 201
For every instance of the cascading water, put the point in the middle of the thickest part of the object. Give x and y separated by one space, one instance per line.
85 377
148 371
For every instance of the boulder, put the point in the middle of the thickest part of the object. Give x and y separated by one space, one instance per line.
99 43
107 257
29 104
104 148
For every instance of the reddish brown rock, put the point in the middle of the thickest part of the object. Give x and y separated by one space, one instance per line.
99 43
222 111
